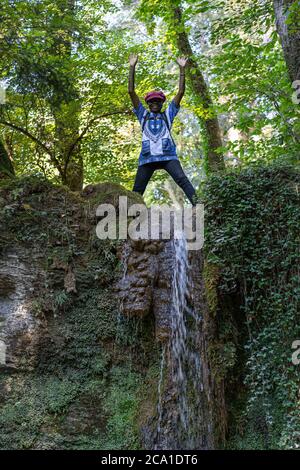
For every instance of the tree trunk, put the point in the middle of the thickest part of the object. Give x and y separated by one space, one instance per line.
212 131
289 34
65 106
6 166
66 116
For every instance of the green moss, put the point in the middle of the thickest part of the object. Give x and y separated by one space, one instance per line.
108 193
211 274
149 388
121 403
85 360
30 405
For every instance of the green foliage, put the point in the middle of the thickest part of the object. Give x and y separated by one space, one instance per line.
122 403
30 405
254 90
252 234
234 43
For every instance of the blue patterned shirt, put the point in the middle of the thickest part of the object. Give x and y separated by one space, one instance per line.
157 142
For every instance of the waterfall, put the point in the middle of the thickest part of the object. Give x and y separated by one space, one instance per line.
163 280
182 421
178 343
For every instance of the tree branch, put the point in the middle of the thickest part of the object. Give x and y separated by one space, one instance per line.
34 139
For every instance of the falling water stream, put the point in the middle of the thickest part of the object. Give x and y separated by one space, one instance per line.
180 353
181 425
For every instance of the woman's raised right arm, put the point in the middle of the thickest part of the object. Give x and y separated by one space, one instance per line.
134 97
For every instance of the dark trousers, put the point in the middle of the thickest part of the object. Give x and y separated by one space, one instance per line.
173 167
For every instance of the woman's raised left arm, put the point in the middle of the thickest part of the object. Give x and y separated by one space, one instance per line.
182 62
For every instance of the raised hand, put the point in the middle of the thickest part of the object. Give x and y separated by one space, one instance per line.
182 61
133 58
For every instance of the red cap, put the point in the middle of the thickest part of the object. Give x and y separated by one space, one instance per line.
155 94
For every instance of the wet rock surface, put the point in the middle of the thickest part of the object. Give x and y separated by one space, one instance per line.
145 286
20 328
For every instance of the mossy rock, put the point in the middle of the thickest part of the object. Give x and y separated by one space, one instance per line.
108 193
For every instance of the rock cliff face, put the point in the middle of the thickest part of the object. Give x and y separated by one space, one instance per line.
72 370
86 331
